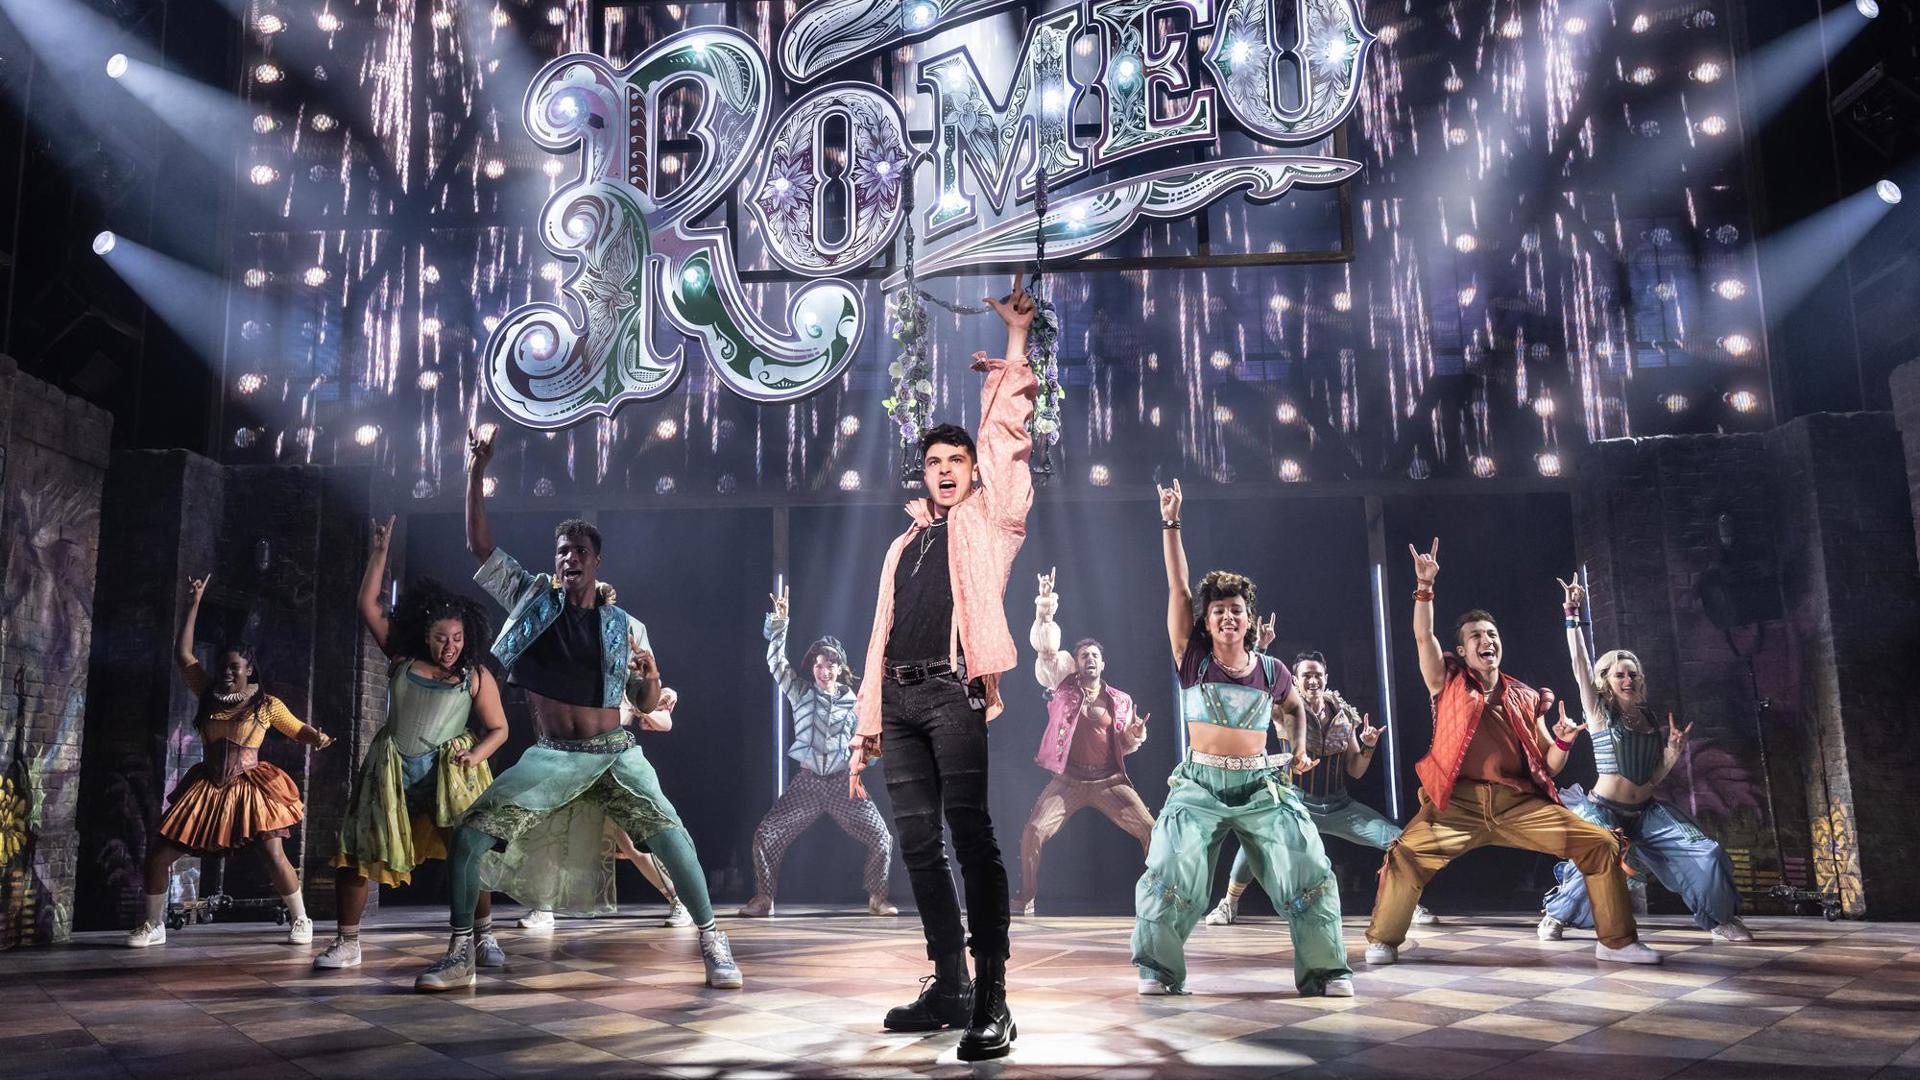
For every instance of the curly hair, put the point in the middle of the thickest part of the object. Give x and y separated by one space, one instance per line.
1221 585
947 435
427 602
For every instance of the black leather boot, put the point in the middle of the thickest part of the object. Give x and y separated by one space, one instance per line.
946 999
992 1031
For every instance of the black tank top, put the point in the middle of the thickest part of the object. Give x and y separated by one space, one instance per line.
564 662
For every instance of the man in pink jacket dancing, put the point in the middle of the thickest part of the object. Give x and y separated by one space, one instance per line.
934 659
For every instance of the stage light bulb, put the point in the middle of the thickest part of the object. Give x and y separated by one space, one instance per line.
670 164
667 428
1286 413
850 481
116 65
1454 84
1343 301
250 383
1575 25
315 276
1643 75
1547 462
1675 403
551 168
490 322
254 277
500 18
1220 360
1707 71
1280 304
327 21
1888 191
267 73
1730 288
1466 243
1744 401
1483 467
1737 345
496 168
1467 295
430 274
1543 407
920 16
557 16
1512 28
551 271
366 434
1389 34
264 124
849 426
428 380
443 20
1641 24
1099 475
1289 470
103 242
1713 126
429 325
263 175
665 486
1153 416
1869 8
269 24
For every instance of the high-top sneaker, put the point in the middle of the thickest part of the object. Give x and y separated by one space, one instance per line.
717 953
946 999
453 971
992 1031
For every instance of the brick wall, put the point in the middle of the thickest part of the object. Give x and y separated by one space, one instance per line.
53 459
1795 550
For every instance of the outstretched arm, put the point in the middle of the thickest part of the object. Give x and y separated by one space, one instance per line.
371 612
479 533
1179 594
1050 665
190 669
1006 405
777 663
1573 605
1433 659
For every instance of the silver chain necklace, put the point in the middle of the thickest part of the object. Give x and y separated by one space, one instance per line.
926 543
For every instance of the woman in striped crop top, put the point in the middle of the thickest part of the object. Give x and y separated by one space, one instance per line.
1633 754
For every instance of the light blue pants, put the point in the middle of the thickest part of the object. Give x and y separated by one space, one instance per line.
1661 841
1205 804
1345 819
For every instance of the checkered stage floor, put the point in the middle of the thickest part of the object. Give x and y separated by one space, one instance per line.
624 997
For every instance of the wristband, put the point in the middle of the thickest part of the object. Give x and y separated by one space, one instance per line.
1174 524
1568 745
1423 596
1575 623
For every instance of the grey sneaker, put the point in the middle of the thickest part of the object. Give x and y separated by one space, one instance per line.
341 954
453 971
1550 929
146 934
487 952
717 954
1732 930
1223 913
678 915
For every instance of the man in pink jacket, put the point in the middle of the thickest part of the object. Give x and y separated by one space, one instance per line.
934 659
1091 728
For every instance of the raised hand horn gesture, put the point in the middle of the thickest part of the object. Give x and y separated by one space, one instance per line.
1426 565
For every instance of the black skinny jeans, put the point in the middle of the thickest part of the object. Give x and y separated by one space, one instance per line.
934 748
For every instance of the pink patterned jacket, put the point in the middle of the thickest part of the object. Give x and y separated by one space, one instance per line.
988 528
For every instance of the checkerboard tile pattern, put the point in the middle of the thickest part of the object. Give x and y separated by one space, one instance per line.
623 997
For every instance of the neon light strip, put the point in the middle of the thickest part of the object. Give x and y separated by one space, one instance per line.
1386 689
779 716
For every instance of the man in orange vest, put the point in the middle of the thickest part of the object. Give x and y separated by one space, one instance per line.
1489 780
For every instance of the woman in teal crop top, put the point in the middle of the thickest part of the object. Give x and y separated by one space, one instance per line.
1633 754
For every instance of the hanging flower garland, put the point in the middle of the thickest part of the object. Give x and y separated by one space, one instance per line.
1043 348
911 405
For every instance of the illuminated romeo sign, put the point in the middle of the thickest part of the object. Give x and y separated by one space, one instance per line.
638 254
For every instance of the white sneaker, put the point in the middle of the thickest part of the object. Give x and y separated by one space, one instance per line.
1550 929
1152 987
1630 953
1423 917
717 954
453 971
1379 953
146 934
1224 912
341 954
539 921
1732 930
300 932
678 915
1340 987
